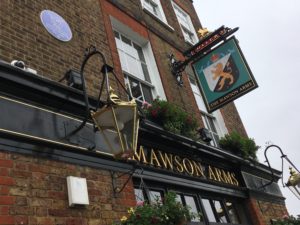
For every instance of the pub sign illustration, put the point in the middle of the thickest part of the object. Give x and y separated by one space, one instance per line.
224 75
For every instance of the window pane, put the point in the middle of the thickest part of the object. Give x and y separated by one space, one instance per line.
204 118
139 52
133 62
233 216
153 7
147 93
209 211
135 89
185 24
142 66
154 196
178 199
190 201
123 60
145 72
211 124
126 40
216 139
188 35
134 67
220 211
139 195
117 35
193 81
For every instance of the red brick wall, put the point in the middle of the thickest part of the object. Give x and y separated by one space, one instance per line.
23 37
233 120
182 96
261 212
34 191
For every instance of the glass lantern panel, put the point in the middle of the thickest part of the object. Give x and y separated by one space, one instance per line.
118 127
128 126
108 141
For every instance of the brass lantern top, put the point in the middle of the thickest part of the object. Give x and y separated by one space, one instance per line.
294 179
114 98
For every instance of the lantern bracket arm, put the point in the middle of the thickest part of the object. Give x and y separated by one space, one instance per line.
269 165
90 52
115 175
283 156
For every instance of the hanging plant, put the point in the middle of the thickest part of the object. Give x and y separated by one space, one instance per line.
171 117
287 220
168 212
239 145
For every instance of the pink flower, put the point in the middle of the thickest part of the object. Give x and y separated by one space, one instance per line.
146 105
140 203
127 154
285 216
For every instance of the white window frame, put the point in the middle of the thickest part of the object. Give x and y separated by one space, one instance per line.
187 26
216 116
155 81
149 6
210 121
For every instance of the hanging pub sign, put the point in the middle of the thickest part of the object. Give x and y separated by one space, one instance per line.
223 75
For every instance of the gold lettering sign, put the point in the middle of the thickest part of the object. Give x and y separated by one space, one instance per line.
188 166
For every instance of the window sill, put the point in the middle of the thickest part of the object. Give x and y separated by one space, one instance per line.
190 43
164 23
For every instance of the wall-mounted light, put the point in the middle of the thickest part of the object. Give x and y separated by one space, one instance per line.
118 124
177 68
205 135
116 121
294 180
21 65
74 79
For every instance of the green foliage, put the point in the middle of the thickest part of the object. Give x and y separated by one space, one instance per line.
287 220
237 144
170 212
171 117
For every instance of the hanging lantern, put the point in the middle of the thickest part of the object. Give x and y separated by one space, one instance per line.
294 183
118 124
117 121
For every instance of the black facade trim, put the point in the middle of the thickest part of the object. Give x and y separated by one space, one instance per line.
201 148
47 94
32 88
267 197
192 184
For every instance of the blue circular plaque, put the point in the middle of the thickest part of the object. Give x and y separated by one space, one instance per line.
56 25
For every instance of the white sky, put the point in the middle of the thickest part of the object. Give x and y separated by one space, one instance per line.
269 37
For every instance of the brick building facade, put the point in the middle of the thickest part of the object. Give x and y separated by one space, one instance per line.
35 159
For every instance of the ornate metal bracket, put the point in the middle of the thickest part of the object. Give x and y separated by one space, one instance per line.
116 175
283 156
176 69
